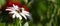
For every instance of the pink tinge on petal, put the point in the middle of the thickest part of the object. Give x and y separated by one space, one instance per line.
9 10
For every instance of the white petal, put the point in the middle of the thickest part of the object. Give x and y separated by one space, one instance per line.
9 10
13 16
19 16
22 9
15 7
23 15
25 12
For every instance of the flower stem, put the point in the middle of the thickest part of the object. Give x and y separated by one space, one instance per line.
20 22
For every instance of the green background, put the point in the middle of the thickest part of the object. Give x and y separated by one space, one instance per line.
44 12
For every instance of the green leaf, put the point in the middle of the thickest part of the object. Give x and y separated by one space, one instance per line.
26 24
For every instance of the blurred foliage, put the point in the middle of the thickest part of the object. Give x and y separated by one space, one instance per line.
44 12
2 2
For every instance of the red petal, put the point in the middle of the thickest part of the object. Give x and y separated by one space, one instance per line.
25 7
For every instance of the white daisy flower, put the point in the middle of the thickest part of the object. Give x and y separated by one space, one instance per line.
14 12
20 14
26 14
